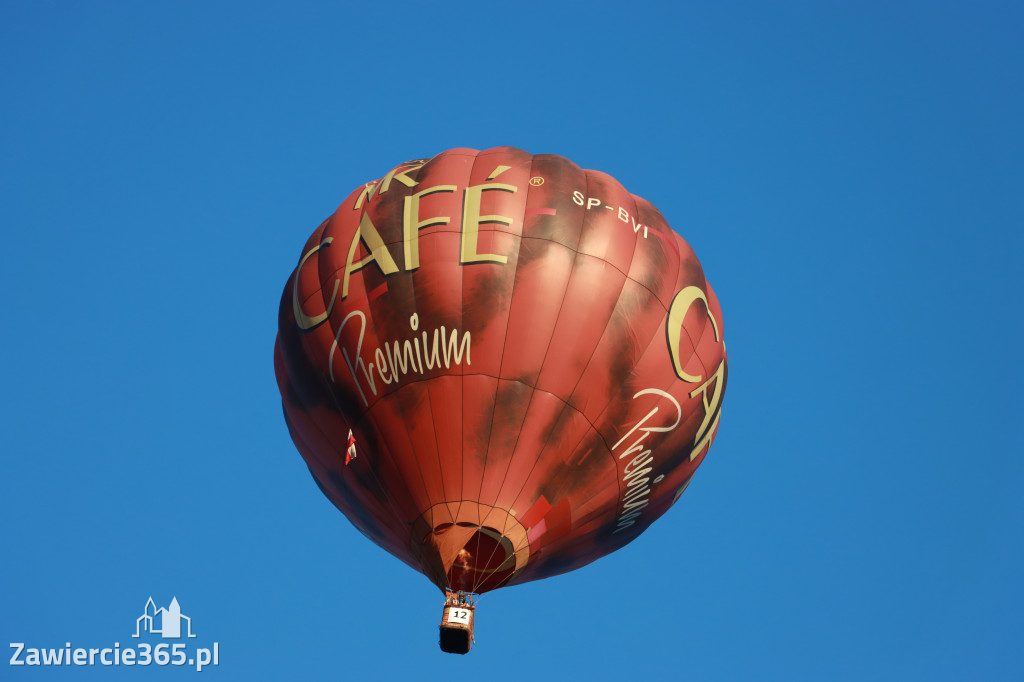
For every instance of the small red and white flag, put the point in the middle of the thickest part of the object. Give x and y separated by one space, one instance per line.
350 454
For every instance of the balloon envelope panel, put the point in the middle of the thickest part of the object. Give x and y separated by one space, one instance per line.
498 366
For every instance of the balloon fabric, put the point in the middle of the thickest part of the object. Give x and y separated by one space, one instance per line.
499 366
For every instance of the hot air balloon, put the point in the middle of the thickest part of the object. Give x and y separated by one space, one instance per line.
500 367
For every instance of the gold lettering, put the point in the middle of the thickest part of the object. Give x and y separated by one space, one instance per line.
711 409
471 220
400 175
411 224
498 170
365 194
375 245
307 322
674 326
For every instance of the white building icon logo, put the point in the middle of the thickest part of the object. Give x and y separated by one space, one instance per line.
165 622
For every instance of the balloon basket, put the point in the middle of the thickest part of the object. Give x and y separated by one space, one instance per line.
457 624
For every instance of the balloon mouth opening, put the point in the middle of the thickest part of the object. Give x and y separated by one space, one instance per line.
475 550
486 561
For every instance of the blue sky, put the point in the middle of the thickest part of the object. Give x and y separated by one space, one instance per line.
850 177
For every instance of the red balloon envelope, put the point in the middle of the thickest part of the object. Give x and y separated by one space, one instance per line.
500 367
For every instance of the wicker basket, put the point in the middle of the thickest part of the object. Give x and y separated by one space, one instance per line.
457 629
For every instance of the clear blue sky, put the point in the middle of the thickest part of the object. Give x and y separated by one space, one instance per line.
850 175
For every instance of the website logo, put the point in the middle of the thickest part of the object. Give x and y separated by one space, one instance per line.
169 620
169 623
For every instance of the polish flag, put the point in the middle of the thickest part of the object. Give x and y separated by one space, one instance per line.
350 454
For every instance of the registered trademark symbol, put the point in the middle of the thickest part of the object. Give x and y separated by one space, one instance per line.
536 181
